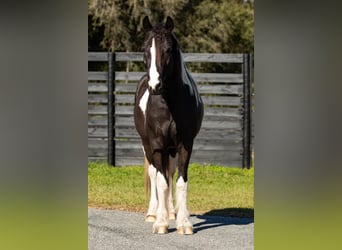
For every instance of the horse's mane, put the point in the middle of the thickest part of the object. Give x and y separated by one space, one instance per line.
186 77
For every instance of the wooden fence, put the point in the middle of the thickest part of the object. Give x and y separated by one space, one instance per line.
225 136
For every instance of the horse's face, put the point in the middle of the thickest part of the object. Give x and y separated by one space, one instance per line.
158 57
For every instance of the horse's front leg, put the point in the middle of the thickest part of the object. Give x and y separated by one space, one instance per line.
184 226
151 180
161 224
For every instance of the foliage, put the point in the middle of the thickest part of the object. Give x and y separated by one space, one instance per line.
212 189
220 26
201 25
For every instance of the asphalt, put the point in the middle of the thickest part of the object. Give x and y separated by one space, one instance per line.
111 229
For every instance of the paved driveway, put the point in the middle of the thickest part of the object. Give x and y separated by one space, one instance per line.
110 229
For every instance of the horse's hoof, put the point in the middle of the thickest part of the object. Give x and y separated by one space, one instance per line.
188 230
150 218
184 230
172 216
160 230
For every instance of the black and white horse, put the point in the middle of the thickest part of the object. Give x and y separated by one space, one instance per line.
168 114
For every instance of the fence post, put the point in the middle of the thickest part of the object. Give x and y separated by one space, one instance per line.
246 159
111 109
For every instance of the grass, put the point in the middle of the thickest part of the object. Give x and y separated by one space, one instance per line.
212 190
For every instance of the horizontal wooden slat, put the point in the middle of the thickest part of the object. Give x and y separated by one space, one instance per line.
126 87
220 89
97 132
208 111
204 134
126 132
124 99
128 76
206 57
97 152
97 110
97 87
123 121
199 154
222 111
224 158
97 143
98 120
198 145
223 134
207 100
209 131
199 77
125 115
188 57
97 75
221 100
139 161
216 157
124 110
129 161
129 56
97 98
202 88
97 56
218 77
221 124
97 158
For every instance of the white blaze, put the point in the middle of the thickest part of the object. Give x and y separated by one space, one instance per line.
154 75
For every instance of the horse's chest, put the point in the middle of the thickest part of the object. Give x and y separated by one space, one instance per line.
158 116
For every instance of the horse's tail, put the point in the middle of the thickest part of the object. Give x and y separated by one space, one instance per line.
147 178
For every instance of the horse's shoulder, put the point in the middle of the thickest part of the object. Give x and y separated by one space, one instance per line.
142 86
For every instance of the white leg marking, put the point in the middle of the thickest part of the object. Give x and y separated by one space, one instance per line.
154 75
183 212
172 168
152 208
143 102
162 213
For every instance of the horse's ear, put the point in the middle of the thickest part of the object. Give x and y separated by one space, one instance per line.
146 24
169 24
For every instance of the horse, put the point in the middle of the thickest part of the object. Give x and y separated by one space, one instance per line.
168 114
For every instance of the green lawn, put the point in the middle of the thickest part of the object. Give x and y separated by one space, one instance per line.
212 189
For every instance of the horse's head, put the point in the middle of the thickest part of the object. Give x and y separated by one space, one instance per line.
159 46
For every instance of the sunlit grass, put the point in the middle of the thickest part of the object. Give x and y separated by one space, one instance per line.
212 189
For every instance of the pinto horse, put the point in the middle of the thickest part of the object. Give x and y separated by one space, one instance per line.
168 115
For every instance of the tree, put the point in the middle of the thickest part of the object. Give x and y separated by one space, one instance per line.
122 20
201 25
221 26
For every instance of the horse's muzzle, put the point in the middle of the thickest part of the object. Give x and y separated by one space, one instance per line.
156 91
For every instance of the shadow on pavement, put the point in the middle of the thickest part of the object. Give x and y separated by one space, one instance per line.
224 217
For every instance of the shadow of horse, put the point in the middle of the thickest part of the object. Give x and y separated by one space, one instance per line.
224 217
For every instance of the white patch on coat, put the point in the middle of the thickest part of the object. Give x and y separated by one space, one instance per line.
181 207
154 75
153 205
162 211
143 102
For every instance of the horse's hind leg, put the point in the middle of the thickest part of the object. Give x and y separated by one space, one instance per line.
184 226
172 169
